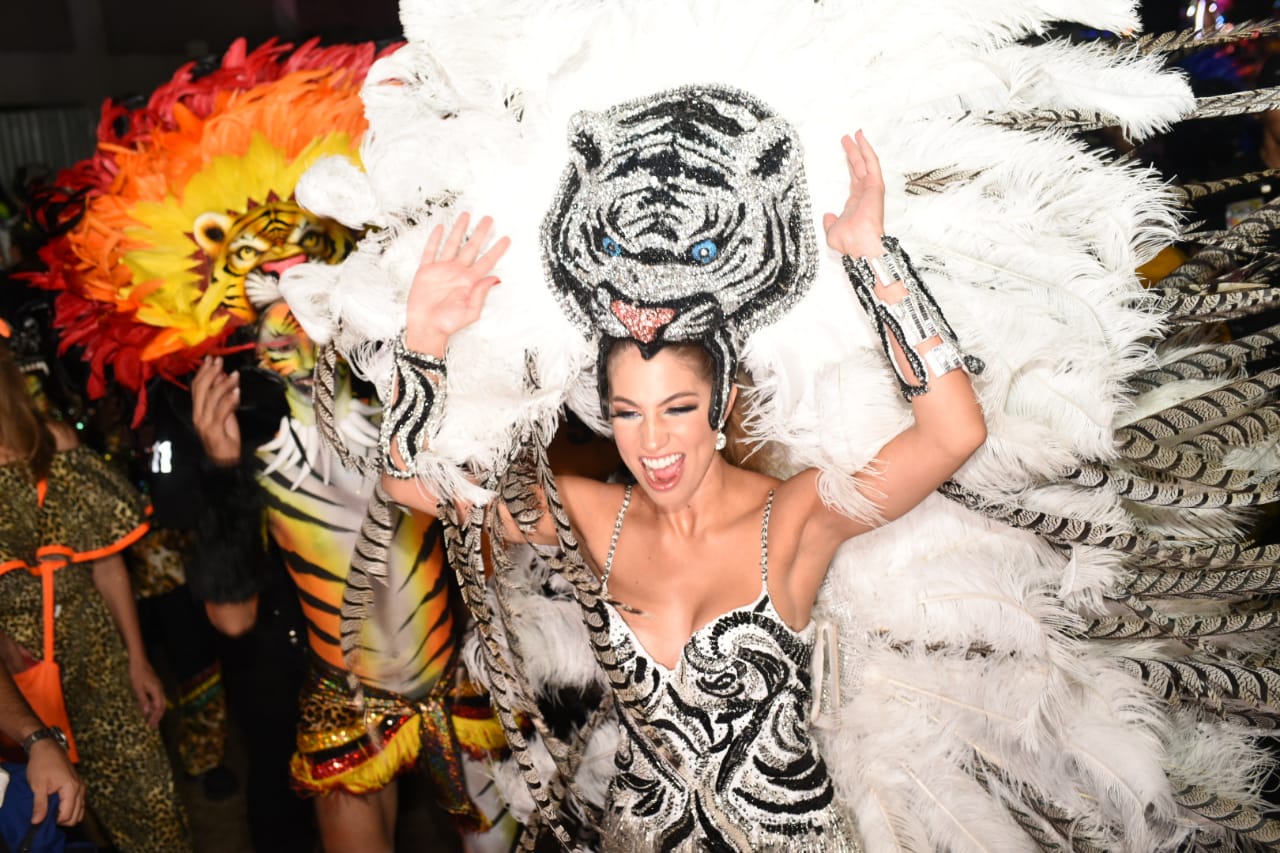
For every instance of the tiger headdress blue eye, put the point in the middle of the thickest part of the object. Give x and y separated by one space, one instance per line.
682 217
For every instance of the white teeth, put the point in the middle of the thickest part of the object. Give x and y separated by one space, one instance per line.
658 463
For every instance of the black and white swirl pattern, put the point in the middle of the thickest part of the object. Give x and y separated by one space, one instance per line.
736 769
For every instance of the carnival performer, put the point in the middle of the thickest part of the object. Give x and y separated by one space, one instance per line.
356 734
1072 643
66 518
709 571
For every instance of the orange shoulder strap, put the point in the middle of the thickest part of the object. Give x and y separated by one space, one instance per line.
46 587
46 582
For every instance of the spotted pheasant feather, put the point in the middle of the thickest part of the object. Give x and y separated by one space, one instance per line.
1223 359
1197 39
1194 191
1245 823
1237 103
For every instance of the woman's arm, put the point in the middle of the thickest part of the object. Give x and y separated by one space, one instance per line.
112 580
949 424
49 770
448 293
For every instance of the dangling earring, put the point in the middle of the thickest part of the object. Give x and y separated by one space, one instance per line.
721 441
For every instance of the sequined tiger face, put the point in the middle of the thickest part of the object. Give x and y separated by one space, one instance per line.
679 213
268 238
683 217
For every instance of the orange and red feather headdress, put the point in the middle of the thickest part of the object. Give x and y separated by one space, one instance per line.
221 140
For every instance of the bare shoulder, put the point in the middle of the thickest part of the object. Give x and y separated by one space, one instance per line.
585 498
754 487
803 538
797 497
592 507
745 494
64 436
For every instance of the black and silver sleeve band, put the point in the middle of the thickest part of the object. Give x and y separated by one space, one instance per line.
414 415
913 320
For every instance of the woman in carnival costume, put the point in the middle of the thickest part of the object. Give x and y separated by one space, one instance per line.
1068 647
713 678
66 519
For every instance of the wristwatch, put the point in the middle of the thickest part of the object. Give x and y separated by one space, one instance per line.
40 734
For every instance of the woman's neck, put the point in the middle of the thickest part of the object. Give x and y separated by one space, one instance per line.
704 509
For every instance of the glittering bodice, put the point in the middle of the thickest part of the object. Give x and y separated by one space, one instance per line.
736 768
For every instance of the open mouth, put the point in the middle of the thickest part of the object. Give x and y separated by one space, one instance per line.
663 472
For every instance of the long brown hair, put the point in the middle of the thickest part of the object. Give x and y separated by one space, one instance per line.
23 433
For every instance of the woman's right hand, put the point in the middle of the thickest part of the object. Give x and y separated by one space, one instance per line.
148 689
451 284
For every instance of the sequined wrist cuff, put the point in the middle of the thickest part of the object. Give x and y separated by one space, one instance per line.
912 321
414 415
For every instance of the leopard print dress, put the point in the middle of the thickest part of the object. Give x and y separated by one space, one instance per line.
88 512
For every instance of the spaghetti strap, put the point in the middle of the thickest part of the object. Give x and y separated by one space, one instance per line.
613 543
764 541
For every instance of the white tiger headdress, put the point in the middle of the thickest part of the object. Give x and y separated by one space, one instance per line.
682 217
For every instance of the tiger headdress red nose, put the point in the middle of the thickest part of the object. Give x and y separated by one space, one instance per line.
682 218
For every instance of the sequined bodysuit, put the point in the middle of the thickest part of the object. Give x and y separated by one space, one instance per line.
736 768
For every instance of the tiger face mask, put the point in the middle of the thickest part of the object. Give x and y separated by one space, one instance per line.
682 218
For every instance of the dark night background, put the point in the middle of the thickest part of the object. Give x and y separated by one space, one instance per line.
60 59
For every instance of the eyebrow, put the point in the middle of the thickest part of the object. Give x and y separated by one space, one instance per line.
674 396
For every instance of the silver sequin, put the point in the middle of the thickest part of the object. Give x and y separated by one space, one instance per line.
683 217
416 411
736 768
912 321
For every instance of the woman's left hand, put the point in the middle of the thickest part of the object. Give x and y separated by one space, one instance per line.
149 690
857 230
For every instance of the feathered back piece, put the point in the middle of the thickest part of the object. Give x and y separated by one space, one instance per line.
154 264
1064 650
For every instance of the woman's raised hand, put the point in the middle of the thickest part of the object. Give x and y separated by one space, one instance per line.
857 230
451 284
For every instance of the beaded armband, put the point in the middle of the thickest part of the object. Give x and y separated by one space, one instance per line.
415 413
914 319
